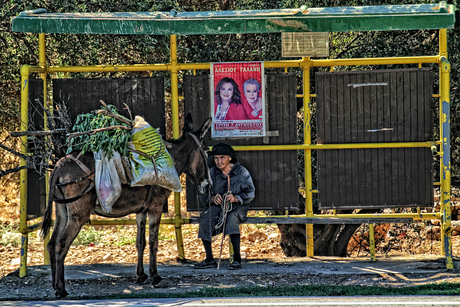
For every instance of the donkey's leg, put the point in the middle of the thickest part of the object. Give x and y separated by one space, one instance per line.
78 214
154 227
141 220
59 226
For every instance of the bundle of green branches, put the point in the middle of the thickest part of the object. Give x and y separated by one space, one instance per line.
100 131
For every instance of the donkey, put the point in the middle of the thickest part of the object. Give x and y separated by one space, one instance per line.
71 188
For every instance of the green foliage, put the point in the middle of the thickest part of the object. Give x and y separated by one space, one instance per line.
166 233
9 235
163 236
88 235
260 226
125 239
107 141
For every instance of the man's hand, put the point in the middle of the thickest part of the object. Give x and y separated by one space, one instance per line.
232 198
217 199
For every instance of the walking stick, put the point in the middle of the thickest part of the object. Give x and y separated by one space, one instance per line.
225 209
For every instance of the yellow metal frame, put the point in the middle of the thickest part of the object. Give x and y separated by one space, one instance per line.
305 64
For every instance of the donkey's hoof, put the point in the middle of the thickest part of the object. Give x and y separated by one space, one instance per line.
61 294
157 282
141 279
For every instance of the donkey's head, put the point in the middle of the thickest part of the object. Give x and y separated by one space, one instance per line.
189 153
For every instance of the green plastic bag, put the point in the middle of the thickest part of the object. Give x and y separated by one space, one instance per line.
156 169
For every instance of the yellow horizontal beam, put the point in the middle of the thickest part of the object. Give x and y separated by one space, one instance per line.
108 222
415 216
131 221
194 66
375 61
334 146
267 64
171 221
109 68
282 64
31 69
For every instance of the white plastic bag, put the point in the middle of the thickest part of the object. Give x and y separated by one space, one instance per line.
146 139
109 176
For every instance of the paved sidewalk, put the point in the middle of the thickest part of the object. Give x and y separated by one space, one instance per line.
315 265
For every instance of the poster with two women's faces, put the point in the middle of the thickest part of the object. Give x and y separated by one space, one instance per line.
238 100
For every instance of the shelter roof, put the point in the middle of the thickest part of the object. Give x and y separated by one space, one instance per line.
303 19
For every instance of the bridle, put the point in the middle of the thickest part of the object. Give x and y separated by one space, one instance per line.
202 152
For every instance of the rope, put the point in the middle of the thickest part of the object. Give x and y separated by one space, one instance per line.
226 207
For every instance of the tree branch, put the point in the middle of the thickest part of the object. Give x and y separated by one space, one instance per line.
14 170
72 135
109 113
14 152
38 133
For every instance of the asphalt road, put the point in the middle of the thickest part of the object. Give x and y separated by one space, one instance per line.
375 301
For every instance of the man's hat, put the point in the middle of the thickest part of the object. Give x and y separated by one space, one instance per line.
224 150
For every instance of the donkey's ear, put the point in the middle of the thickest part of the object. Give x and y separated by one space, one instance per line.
204 128
188 123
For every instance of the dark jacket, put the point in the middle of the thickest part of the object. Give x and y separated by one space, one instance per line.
241 184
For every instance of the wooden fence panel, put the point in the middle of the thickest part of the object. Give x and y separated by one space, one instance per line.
374 107
36 183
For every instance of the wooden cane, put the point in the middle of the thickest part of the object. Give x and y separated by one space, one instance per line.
225 207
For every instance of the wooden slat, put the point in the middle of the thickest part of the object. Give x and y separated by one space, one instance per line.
377 178
394 137
320 129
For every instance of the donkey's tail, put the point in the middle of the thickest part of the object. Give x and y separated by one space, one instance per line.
49 209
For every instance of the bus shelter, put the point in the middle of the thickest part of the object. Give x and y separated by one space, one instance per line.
333 96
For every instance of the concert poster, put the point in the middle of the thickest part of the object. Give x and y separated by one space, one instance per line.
238 100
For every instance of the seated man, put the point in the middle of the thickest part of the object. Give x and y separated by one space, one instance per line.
232 181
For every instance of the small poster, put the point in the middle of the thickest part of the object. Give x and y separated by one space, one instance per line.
238 100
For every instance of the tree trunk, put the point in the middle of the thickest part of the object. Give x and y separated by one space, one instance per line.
329 240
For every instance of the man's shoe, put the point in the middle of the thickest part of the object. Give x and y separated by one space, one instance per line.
235 265
205 264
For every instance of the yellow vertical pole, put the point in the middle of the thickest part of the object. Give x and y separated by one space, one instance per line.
25 71
175 129
306 64
372 241
442 52
174 87
445 174
43 76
